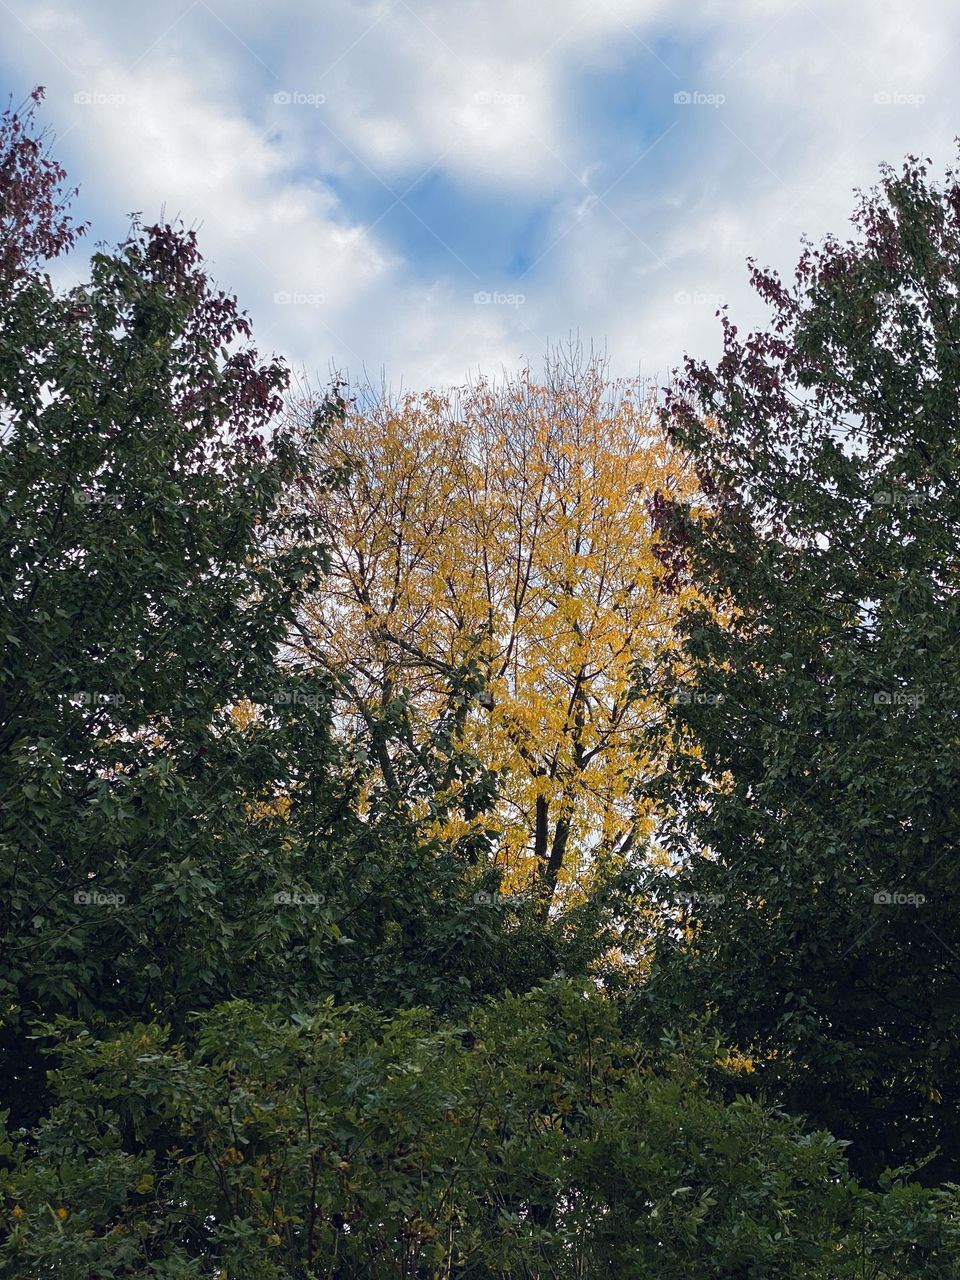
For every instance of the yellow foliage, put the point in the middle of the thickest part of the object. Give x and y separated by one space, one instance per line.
509 523
739 1063
243 713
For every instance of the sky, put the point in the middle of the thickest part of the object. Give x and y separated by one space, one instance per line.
421 190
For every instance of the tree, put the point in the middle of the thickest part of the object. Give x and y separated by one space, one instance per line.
138 603
503 531
532 1139
814 765
179 824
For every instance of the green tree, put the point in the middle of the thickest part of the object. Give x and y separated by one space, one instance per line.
531 1140
179 826
812 795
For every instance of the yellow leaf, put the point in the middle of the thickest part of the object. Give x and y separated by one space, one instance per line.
507 526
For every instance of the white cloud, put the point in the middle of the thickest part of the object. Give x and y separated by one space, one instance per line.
636 206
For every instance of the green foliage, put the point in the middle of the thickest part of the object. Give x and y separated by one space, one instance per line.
180 827
811 800
531 1140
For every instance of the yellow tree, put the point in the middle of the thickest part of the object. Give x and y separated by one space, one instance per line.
505 525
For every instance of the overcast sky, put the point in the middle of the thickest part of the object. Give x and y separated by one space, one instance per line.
431 187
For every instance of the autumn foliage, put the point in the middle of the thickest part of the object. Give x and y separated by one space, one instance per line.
507 525
473 835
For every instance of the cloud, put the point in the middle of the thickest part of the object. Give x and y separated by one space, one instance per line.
362 170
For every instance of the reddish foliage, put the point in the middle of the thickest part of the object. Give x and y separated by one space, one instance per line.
33 225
